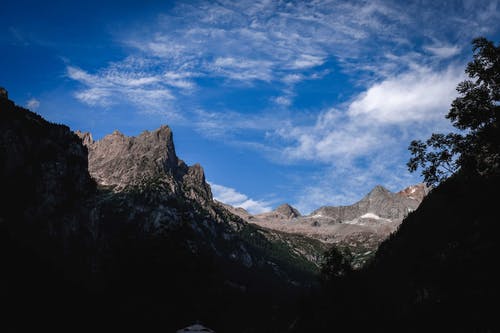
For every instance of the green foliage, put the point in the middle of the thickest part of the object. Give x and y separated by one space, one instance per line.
476 114
278 250
336 263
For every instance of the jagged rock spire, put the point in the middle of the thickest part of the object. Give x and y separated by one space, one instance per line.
121 162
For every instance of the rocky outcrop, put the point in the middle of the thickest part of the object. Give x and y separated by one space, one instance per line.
121 163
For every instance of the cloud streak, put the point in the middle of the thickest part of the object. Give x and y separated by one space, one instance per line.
234 198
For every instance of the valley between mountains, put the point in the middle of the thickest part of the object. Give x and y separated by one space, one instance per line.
119 162
120 234
360 227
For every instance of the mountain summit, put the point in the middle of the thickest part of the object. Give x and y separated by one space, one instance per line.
361 226
121 162
287 211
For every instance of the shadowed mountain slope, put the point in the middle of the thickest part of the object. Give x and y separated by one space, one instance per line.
136 244
437 273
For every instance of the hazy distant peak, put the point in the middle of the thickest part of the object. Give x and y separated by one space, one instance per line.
288 211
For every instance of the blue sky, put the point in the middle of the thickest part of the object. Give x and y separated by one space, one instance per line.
307 102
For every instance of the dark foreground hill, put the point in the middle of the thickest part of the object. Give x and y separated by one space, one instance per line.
437 273
136 245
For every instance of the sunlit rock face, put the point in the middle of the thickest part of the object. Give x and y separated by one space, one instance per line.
361 226
121 162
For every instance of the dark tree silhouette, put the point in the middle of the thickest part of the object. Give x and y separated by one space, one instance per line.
336 263
476 114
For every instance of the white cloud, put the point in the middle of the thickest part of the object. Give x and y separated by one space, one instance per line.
95 96
33 104
283 100
364 143
293 78
307 61
333 136
376 119
234 198
418 95
179 79
443 51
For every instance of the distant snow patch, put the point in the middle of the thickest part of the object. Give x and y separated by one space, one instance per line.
371 216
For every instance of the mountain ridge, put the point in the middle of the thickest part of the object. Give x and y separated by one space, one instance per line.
361 227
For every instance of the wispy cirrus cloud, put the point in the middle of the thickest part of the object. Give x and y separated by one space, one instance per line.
287 42
402 61
142 82
443 51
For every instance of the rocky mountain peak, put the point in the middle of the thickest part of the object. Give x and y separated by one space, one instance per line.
120 161
287 211
416 192
117 133
377 191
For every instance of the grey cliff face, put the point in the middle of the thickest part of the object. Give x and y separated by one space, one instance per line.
121 162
